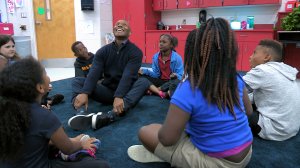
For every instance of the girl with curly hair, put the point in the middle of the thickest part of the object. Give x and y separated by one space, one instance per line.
26 128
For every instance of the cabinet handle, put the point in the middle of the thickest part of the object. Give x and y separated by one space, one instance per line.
243 35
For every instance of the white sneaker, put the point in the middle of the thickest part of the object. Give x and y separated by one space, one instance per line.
139 153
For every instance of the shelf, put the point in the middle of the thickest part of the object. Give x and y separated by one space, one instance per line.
289 37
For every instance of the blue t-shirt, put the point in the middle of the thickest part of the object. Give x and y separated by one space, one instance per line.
210 129
36 147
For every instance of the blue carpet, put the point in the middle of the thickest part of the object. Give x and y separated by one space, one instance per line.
118 136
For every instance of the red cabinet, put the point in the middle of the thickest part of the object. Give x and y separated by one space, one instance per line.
212 3
139 14
158 5
262 2
235 2
170 4
247 42
183 4
181 36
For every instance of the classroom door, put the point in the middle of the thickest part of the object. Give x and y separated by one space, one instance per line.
55 31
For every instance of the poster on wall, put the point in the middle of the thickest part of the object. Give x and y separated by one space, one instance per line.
19 3
10 6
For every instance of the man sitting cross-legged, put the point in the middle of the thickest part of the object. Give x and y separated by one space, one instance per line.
117 64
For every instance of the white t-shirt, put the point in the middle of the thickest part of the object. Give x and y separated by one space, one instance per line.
276 95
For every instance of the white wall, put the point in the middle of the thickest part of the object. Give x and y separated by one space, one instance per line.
263 14
101 19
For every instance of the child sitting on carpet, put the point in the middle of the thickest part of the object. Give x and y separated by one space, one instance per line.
276 94
206 125
84 59
167 68
27 129
8 51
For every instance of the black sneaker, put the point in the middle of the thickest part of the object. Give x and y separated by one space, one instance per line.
102 119
81 122
56 99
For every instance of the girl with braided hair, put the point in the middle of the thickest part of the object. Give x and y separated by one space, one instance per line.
206 125
27 129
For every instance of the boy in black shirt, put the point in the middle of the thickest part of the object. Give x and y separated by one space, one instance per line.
84 59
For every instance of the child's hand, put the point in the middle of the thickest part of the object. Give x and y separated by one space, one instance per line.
48 107
88 144
173 76
78 137
50 87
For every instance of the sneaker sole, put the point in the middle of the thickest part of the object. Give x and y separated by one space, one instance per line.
94 120
80 122
139 153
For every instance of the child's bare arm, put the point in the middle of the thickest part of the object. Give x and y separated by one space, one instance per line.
247 103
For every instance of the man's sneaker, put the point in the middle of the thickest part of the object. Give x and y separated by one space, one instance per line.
139 153
102 119
56 99
81 122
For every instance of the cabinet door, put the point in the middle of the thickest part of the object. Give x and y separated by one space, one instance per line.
249 48
183 4
211 3
136 18
158 5
201 3
261 2
170 4
151 17
235 2
240 56
181 36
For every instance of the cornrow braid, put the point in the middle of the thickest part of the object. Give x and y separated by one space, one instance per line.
210 63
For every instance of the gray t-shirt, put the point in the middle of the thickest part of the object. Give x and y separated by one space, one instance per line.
277 98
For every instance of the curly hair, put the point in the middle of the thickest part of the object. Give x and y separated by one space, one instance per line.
17 91
210 63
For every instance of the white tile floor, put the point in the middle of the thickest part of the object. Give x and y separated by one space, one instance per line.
60 73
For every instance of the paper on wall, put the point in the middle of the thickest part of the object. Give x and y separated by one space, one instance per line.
10 6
